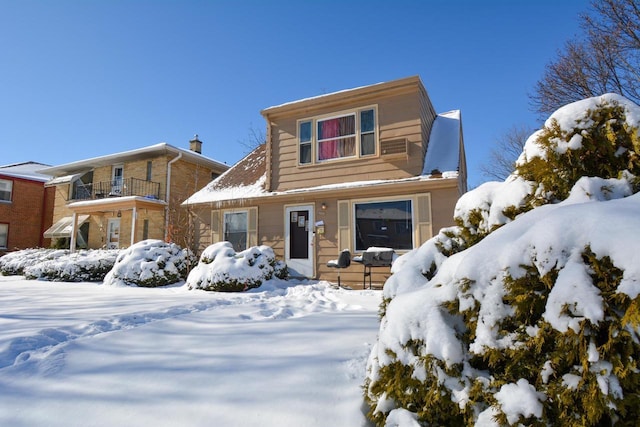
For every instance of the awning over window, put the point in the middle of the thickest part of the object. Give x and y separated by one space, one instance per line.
63 227
64 179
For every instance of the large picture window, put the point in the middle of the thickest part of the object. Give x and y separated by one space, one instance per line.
351 134
4 235
6 188
235 229
384 224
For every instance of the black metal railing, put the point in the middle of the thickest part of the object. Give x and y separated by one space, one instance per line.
116 188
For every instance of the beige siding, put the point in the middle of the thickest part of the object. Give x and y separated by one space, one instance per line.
443 203
398 116
433 209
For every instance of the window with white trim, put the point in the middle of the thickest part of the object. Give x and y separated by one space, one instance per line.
6 188
236 229
351 134
4 235
386 224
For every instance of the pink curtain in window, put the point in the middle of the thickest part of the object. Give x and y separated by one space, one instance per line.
330 129
347 145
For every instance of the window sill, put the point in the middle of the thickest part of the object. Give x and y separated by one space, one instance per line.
343 160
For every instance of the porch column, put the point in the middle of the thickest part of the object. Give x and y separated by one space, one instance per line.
134 216
74 232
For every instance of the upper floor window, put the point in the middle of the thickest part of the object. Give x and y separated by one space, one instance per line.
351 134
6 188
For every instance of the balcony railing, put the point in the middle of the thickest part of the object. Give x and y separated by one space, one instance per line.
116 188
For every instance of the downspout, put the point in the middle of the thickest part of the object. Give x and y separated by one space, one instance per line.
168 194
43 216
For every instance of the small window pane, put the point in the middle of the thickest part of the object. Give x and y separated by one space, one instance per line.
368 144
4 231
5 190
305 131
305 153
235 230
367 121
332 128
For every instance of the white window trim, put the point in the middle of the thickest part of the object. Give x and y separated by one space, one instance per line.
334 115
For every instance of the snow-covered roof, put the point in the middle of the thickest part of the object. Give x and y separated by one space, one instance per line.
211 194
140 153
98 202
246 179
64 226
443 151
26 170
65 179
341 95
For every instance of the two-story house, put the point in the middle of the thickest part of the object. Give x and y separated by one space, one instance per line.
368 167
116 200
26 206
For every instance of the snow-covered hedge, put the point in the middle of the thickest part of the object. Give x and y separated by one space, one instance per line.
528 311
222 269
62 266
150 263
14 263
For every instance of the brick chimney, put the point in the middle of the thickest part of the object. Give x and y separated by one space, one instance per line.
195 144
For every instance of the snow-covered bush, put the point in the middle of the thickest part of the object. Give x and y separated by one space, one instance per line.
222 269
595 137
150 263
528 311
14 263
81 266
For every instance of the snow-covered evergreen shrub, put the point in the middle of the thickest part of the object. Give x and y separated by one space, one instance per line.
81 266
14 263
595 137
525 314
150 263
222 269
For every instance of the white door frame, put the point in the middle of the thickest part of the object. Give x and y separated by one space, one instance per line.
113 244
117 180
300 267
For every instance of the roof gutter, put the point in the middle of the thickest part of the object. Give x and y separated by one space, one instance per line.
168 194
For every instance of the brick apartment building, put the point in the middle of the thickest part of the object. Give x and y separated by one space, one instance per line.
26 207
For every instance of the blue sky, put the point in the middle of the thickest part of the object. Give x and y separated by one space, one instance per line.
85 78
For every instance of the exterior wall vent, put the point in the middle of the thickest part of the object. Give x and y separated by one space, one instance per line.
394 148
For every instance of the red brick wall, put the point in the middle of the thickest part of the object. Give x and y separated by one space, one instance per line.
28 215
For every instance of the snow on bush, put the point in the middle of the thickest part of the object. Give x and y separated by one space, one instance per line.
528 311
149 263
222 269
61 266
14 263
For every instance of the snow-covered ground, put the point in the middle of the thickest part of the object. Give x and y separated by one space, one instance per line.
85 354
